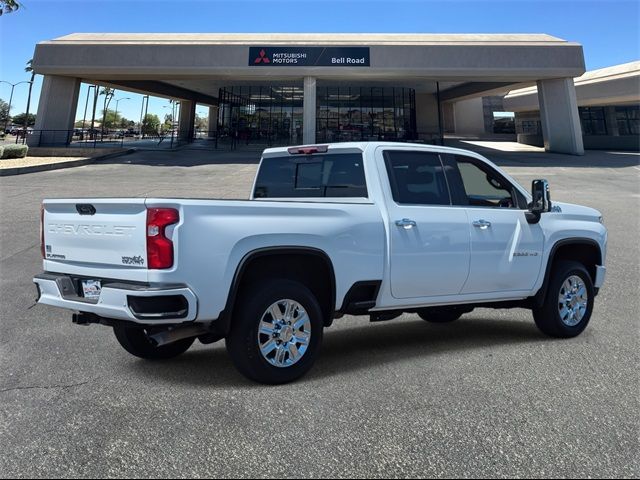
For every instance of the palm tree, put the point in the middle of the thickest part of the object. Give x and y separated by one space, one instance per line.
8 6
108 95
29 69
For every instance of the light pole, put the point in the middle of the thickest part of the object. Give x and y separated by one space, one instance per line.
13 85
173 120
124 98
116 118
144 99
172 106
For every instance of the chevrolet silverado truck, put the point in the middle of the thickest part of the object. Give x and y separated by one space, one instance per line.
376 229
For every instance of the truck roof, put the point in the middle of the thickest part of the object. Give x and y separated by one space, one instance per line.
277 151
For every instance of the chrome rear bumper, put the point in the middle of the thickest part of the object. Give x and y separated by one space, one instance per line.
143 304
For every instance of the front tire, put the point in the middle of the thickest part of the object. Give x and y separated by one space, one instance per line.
137 343
568 303
276 332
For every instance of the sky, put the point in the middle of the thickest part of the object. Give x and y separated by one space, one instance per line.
607 29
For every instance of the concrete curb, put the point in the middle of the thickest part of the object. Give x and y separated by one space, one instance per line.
60 165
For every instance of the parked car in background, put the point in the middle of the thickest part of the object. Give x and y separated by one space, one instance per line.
21 133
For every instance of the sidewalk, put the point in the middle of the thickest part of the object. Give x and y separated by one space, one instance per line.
519 155
18 166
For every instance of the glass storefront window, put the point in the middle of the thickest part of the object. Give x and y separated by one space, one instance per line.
365 113
628 118
529 127
260 114
273 115
592 120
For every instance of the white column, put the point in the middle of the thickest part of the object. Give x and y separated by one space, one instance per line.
56 111
309 111
187 120
561 129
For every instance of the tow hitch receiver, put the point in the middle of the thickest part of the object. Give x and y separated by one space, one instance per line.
85 318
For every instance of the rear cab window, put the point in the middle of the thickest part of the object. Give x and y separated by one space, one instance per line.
335 175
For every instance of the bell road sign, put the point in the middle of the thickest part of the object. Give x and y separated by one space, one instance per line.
309 56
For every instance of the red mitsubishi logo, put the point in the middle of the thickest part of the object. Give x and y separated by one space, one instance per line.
262 58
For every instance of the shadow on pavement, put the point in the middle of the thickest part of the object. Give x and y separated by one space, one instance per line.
351 350
197 156
591 158
185 158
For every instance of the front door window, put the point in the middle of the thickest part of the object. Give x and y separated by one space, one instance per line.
483 188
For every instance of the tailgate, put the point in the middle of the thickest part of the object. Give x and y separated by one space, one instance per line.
106 234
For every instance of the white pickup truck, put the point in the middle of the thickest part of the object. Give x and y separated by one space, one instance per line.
372 229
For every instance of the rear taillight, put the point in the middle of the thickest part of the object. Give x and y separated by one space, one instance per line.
159 247
42 230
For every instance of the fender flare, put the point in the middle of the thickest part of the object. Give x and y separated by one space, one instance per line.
223 323
541 295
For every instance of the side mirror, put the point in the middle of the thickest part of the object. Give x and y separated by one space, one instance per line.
541 200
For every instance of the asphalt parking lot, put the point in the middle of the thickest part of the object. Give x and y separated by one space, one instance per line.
487 396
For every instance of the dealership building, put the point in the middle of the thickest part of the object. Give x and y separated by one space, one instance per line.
608 107
308 88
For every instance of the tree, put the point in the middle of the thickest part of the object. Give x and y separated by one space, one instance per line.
4 112
29 69
110 119
8 6
202 123
108 95
168 122
21 119
150 124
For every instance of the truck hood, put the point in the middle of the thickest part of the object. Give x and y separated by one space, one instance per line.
575 212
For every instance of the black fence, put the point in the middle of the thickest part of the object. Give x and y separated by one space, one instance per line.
96 139
225 140
220 140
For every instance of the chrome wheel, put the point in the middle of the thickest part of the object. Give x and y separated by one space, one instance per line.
572 301
284 333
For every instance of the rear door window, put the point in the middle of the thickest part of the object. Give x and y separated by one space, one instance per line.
323 175
416 178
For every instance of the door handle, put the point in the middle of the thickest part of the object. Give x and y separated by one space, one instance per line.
482 224
406 223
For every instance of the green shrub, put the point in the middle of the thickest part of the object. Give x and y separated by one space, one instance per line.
15 151
1 150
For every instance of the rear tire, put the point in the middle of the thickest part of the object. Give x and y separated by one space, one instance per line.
441 314
276 332
568 302
137 343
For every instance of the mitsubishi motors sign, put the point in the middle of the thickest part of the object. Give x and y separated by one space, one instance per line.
309 56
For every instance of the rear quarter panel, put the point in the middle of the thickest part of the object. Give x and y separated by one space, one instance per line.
214 236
